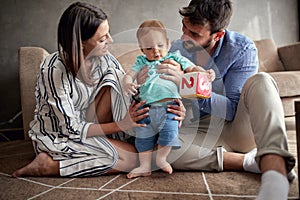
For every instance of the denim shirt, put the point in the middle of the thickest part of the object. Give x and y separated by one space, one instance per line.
234 61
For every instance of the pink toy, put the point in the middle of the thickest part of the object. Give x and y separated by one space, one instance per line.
195 85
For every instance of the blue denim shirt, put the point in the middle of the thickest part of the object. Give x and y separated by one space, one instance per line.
234 61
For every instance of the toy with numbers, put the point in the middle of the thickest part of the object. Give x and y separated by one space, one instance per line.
195 85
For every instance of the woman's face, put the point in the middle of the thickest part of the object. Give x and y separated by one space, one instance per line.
98 44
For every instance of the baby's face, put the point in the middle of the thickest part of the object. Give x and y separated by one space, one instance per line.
154 45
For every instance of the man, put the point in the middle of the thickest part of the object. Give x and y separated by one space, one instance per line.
245 109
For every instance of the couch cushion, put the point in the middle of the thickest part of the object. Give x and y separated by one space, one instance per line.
288 82
126 53
30 59
289 55
268 56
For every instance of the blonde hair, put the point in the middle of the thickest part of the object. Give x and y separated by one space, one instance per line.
151 25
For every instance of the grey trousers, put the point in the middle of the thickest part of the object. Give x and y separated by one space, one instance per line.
259 122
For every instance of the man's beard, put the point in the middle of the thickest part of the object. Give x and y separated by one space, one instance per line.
190 46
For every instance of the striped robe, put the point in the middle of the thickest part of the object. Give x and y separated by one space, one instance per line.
59 127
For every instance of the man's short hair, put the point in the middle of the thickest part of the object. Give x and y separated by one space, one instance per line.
215 12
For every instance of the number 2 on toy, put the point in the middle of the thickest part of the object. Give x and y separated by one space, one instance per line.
186 83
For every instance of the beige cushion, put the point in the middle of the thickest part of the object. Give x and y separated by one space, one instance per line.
268 57
290 56
30 59
288 82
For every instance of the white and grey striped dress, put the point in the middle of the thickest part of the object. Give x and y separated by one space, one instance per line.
59 127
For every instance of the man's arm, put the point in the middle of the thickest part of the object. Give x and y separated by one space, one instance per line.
224 100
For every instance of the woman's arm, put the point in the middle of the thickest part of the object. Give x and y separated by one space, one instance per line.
129 121
56 89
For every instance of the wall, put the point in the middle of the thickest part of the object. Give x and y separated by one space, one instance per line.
34 22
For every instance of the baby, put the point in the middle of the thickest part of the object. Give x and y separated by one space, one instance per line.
158 94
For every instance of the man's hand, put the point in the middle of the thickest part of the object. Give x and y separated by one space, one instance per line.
172 71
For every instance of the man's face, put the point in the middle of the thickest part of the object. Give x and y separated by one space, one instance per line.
197 37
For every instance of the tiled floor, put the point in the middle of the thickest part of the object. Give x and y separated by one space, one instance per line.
179 185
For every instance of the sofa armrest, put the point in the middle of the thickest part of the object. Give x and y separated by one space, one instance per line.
289 56
30 59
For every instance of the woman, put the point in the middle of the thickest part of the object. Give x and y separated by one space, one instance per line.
74 113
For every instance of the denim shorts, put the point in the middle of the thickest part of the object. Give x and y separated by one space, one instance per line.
162 122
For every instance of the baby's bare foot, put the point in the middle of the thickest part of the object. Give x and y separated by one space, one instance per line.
168 169
138 172
165 166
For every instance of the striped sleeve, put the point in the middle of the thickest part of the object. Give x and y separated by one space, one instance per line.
57 89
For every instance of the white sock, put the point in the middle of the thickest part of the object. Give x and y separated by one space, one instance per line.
249 163
273 186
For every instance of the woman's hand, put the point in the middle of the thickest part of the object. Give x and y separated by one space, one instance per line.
133 115
178 110
172 71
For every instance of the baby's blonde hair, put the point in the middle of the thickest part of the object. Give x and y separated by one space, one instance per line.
151 25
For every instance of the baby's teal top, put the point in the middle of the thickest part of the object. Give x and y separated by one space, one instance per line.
156 88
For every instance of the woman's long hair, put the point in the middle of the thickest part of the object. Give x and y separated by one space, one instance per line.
78 23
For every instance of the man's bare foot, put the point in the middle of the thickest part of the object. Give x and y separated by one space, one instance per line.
42 165
139 171
165 166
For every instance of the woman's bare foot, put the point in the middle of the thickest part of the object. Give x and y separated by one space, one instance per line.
139 171
42 165
165 166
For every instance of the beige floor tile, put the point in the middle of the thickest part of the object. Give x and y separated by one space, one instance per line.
185 182
72 194
12 188
236 183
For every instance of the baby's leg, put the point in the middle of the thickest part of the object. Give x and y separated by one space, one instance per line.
145 165
161 158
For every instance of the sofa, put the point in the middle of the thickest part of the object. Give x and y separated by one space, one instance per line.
282 63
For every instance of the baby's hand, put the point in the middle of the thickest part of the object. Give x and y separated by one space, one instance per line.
211 75
131 88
